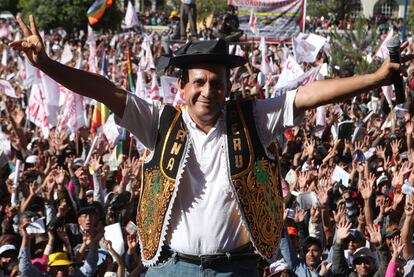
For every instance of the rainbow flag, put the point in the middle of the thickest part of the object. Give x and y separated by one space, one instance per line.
100 111
130 79
97 10
99 116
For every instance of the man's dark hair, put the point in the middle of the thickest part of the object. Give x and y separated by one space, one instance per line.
309 241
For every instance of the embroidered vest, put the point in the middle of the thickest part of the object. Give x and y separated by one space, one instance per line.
254 178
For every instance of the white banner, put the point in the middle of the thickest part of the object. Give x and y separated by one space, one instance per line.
307 46
306 78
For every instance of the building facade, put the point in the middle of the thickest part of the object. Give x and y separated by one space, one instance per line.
369 8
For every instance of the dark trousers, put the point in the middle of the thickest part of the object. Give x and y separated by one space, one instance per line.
186 12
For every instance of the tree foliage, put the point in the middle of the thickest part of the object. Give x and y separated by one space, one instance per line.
204 8
350 48
318 8
68 14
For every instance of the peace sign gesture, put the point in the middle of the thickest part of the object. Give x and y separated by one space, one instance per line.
31 44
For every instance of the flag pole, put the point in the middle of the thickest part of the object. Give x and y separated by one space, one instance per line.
404 27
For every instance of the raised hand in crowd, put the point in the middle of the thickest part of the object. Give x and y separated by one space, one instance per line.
339 215
95 163
375 237
397 247
342 231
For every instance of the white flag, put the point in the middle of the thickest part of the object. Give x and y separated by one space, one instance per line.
306 78
140 90
131 18
37 108
265 66
4 57
170 88
111 130
30 73
67 54
72 111
383 50
6 88
253 22
291 71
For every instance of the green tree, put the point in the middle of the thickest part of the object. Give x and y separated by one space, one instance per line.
9 5
349 48
339 8
205 8
68 14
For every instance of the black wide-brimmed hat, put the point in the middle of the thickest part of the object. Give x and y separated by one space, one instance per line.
208 51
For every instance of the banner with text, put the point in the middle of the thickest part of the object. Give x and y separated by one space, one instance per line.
276 20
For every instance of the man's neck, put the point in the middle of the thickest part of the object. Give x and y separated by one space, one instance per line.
204 125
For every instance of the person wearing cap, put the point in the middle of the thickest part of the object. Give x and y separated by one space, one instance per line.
200 200
8 255
354 241
58 262
366 261
87 221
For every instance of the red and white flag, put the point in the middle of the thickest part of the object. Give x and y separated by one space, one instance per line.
382 52
291 71
131 18
37 112
72 112
154 92
6 88
253 22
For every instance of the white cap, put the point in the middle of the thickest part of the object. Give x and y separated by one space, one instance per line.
89 192
32 159
7 247
278 266
11 176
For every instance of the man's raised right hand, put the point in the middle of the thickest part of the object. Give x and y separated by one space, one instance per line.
31 44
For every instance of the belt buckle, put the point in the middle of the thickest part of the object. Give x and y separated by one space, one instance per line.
205 261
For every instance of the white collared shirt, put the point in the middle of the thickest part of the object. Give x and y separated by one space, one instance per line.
205 217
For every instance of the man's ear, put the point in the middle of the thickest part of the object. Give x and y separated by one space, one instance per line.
180 84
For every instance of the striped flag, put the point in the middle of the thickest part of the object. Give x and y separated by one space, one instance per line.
253 22
97 10
129 66
154 92
100 111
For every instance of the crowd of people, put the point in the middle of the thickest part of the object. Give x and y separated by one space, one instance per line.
77 185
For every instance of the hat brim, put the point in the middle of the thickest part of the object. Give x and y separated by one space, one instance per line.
357 259
230 61
60 263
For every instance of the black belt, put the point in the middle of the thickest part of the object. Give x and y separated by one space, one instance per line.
216 259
